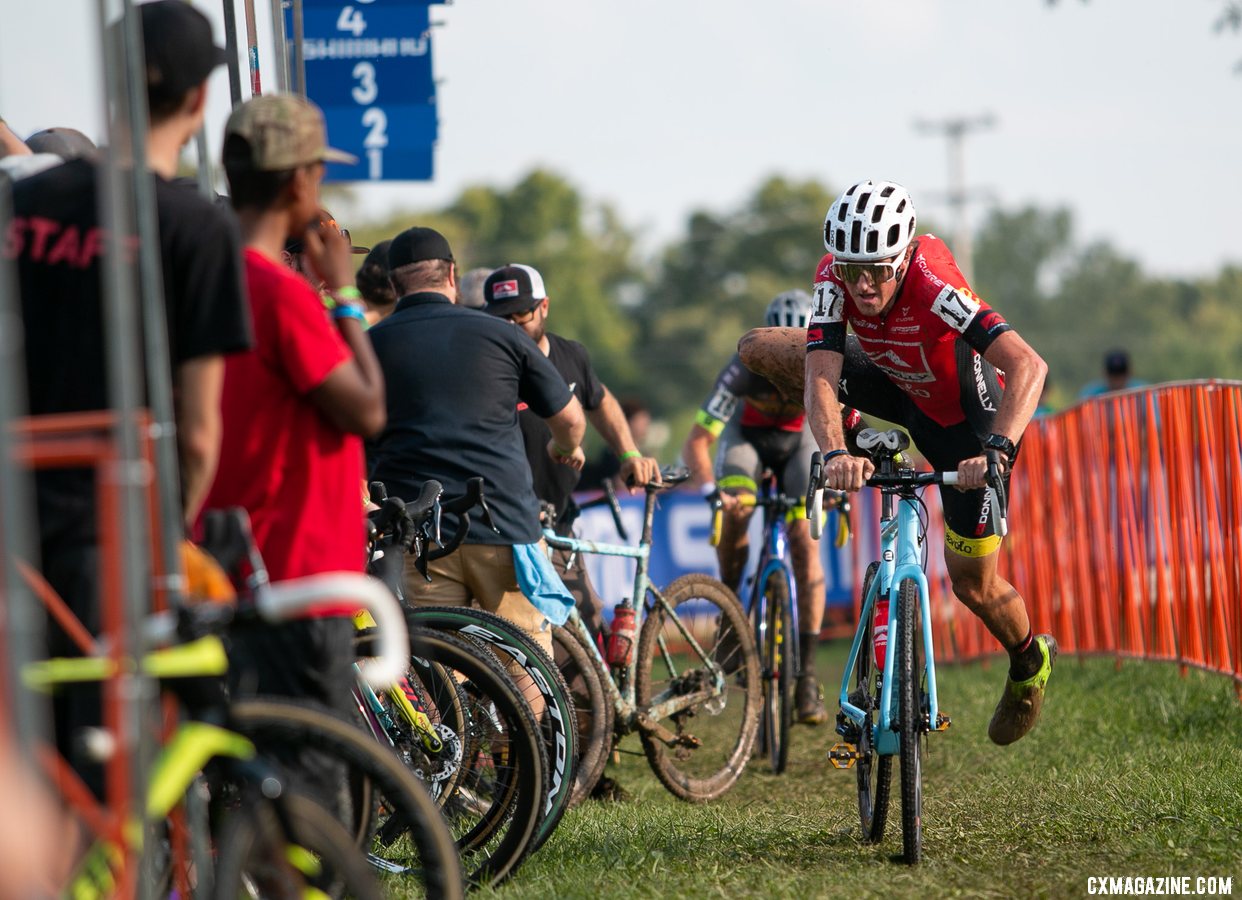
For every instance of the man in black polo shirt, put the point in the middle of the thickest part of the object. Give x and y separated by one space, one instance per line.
455 377
516 293
58 242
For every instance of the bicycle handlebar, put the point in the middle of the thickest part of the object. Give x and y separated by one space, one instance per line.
285 600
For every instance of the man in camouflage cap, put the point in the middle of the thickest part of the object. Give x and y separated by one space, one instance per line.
296 407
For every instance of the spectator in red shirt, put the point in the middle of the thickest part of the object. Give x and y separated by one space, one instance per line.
296 406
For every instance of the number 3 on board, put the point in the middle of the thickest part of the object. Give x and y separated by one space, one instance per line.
351 20
366 90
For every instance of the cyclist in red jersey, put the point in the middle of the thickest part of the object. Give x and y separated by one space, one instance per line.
928 354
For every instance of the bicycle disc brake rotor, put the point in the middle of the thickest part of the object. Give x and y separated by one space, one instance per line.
445 764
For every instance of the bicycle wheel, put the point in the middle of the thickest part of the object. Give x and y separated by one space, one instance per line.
584 672
294 851
910 680
496 805
698 644
423 851
535 675
875 772
776 664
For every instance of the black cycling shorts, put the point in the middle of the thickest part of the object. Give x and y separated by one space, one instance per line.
969 526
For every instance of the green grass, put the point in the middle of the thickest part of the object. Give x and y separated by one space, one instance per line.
1136 771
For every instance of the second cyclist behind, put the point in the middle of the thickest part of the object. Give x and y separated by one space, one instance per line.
759 429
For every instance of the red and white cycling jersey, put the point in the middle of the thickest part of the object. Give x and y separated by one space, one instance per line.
914 343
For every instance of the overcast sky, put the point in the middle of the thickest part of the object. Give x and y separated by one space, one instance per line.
1127 111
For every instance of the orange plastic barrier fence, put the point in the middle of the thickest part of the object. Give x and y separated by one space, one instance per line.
1126 531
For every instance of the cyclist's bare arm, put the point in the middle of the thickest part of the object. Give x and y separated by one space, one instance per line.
609 420
1024 372
777 354
842 471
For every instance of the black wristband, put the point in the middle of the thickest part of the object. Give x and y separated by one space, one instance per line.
1003 444
831 453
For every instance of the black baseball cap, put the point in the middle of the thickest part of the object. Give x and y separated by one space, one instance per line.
67 143
178 47
418 244
1117 362
513 289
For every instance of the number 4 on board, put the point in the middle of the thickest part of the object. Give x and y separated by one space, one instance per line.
351 20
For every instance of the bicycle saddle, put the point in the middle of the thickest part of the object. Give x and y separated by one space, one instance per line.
871 439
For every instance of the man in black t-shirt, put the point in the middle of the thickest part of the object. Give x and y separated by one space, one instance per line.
516 293
58 243
454 380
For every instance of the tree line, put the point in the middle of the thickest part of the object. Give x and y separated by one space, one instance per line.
660 327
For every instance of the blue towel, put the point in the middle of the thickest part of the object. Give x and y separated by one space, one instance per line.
540 582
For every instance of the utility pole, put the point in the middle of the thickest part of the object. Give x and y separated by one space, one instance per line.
958 195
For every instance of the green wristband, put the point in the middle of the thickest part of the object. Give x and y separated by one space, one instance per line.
630 454
348 292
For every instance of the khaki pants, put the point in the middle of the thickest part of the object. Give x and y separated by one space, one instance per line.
482 575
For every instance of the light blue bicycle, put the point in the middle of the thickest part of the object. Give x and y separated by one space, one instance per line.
889 712
691 690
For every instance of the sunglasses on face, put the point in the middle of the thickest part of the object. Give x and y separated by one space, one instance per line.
876 273
523 317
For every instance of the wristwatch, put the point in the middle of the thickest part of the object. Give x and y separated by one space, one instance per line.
999 442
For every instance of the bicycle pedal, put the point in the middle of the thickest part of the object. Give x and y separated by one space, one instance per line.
843 755
943 722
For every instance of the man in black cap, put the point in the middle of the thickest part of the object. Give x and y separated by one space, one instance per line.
1116 376
58 242
517 294
456 379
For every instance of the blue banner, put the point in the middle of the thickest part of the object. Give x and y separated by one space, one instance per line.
369 67
681 528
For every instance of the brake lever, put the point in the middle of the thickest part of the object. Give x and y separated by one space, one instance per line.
487 514
996 489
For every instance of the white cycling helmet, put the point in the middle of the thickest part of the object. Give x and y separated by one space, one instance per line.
791 309
870 221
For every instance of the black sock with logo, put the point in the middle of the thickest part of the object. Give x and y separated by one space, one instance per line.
1025 658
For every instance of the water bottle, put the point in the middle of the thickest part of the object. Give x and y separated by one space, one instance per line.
879 631
621 637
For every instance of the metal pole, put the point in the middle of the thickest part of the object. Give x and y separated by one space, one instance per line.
958 197
206 180
252 50
125 82
280 47
21 624
230 46
299 37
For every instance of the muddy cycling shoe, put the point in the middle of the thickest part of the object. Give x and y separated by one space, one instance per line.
1019 706
607 790
809 702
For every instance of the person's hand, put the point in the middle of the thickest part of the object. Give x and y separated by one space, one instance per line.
575 458
973 473
638 471
327 253
847 473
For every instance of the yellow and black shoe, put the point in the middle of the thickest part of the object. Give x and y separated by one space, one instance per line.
1019 706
